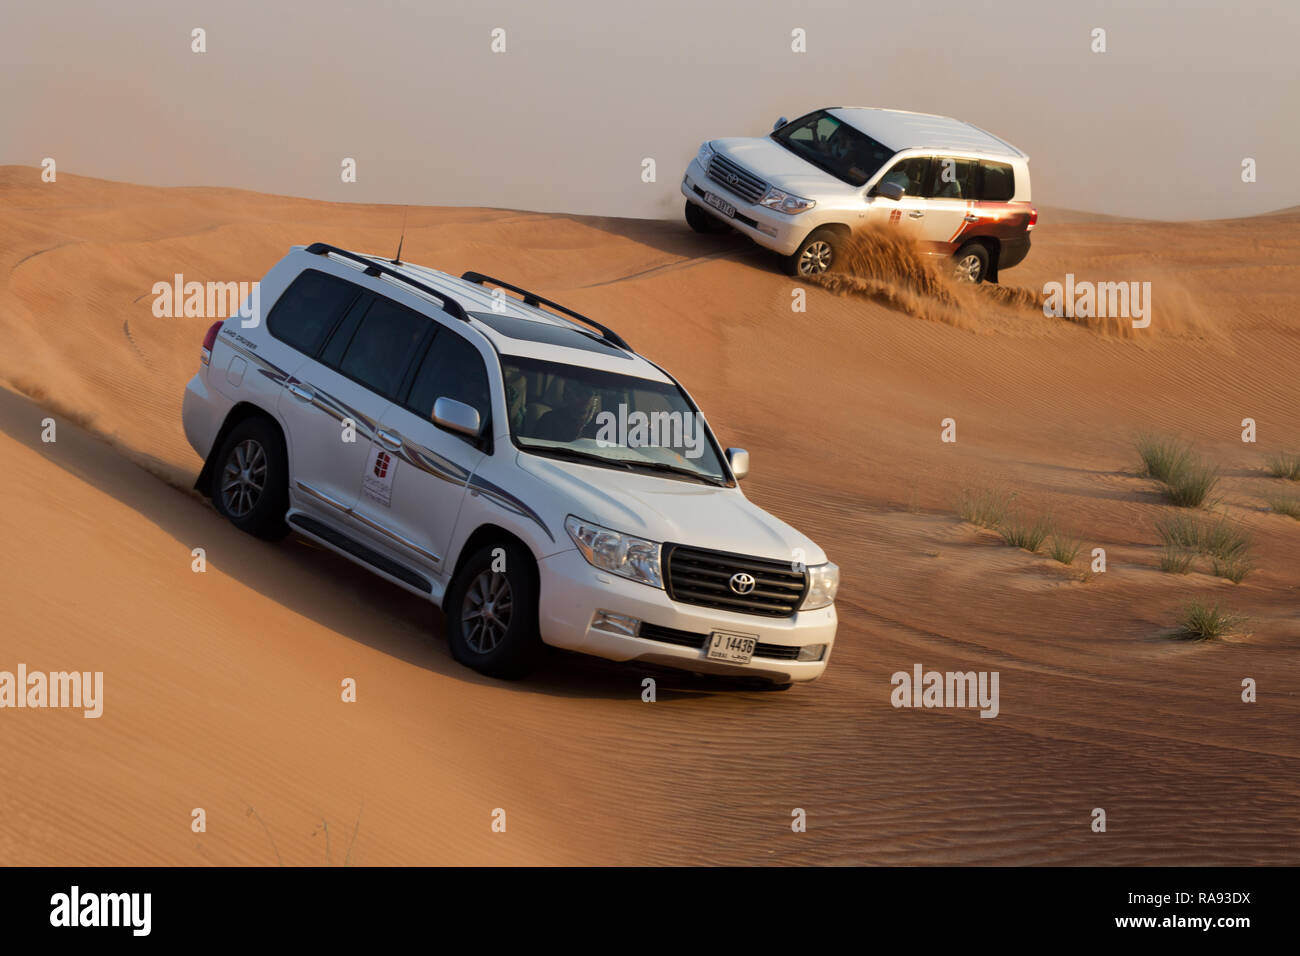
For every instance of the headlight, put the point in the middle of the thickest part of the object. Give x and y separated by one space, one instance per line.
704 155
622 554
785 202
823 582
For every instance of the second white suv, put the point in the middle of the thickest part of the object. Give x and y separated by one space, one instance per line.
508 459
953 188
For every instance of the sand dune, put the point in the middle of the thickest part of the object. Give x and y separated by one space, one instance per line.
222 689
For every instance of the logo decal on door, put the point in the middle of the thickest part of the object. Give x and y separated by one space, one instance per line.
895 216
377 482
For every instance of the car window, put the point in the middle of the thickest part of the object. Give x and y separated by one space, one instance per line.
834 146
452 368
382 347
952 178
909 173
308 309
999 182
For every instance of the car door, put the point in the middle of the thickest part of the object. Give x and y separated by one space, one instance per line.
412 494
950 203
906 215
316 400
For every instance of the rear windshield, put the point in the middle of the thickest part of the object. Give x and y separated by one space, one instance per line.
834 146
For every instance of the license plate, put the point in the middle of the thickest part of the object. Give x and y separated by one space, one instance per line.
732 648
721 205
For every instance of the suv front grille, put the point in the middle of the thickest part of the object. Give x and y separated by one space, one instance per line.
736 178
697 576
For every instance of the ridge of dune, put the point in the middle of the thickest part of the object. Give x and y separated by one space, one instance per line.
222 688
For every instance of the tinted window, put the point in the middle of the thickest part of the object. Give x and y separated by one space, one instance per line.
382 347
999 182
452 368
332 353
909 173
307 311
834 146
952 178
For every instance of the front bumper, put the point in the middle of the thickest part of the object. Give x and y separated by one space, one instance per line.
776 230
572 591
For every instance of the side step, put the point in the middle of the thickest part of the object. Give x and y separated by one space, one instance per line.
361 552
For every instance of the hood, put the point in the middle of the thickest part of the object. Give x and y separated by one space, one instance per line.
780 167
668 509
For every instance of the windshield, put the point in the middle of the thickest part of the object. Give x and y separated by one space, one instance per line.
834 146
607 419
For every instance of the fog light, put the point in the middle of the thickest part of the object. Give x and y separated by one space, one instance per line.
767 230
811 652
615 623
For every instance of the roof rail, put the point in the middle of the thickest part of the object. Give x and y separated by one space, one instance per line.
536 301
373 268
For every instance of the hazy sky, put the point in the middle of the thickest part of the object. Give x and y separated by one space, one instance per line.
1156 126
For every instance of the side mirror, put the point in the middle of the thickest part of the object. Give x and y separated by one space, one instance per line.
889 191
457 416
779 123
738 459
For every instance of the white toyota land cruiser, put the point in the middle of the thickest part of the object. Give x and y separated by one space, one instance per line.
951 187
510 460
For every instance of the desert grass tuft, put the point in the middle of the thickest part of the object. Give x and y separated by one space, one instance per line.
1020 533
1286 506
1188 479
985 507
1203 622
1176 560
1284 465
1063 546
1161 456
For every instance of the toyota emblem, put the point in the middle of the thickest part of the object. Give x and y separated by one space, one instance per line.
742 583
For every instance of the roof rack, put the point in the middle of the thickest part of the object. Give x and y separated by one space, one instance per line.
536 301
373 268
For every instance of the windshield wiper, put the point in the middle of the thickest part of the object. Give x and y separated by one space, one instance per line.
672 469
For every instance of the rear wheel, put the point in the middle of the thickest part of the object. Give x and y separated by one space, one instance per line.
971 263
816 254
492 612
250 479
702 222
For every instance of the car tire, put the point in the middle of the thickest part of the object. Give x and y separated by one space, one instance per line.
250 479
481 637
817 253
702 222
971 263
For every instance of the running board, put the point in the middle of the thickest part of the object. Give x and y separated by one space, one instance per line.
361 552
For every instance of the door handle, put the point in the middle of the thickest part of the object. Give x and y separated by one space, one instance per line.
970 218
391 439
300 393
916 213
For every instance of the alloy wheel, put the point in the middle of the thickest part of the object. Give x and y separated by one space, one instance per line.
815 258
244 478
485 612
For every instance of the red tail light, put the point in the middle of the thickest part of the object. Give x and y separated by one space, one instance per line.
208 341
1033 217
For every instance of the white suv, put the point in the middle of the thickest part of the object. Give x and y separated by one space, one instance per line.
510 460
951 187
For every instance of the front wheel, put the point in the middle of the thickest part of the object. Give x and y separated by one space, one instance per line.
492 612
971 263
818 253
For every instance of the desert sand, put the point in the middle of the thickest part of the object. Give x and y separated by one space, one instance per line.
222 689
